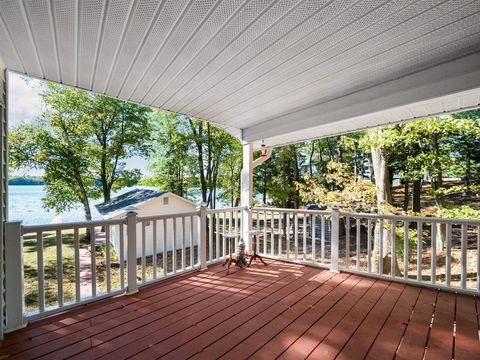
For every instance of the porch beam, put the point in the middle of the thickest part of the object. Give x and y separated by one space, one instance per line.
409 96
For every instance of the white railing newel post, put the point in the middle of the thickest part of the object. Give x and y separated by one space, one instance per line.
14 296
132 286
335 238
202 248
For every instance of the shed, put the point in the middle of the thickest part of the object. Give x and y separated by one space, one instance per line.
151 203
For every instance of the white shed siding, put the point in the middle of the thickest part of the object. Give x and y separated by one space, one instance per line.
154 207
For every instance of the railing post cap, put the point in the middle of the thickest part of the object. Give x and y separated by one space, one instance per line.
131 210
202 205
335 207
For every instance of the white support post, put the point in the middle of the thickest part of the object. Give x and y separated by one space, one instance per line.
3 184
335 239
14 297
202 246
132 286
246 195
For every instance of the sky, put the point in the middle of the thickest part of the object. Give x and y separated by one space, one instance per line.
25 103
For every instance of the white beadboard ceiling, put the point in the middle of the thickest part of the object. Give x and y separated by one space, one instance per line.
275 70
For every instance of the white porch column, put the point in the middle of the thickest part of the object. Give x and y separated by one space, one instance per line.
3 186
246 195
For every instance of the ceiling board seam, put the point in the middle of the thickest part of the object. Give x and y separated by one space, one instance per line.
77 38
315 29
28 27
315 44
51 14
241 50
101 28
146 34
379 84
303 51
10 40
202 48
346 95
253 21
186 42
131 10
337 56
167 38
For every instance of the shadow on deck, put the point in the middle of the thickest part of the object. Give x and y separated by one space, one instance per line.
284 310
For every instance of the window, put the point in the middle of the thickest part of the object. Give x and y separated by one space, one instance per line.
165 200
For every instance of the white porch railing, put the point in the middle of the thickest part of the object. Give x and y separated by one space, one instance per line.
427 251
66 267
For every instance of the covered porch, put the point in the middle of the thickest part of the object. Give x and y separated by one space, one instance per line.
272 73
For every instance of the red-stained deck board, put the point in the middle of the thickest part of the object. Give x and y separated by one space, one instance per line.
82 331
118 343
283 310
415 338
467 345
298 314
130 331
313 292
186 346
210 317
365 334
440 341
274 343
144 311
332 344
105 309
386 343
307 341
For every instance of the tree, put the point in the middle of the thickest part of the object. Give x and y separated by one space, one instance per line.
230 171
170 160
58 142
382 144
289 165
194 154
120 130
81 141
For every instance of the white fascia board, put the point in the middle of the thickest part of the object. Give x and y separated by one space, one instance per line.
434 83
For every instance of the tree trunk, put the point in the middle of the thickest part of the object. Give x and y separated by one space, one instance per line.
406 195
441 237
468 171
310 161
417 190
380 168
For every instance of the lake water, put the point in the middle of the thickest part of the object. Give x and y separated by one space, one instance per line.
25 203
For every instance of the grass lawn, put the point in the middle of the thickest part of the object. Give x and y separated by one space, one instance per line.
50 265
68 261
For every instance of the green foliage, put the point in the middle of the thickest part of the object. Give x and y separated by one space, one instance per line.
399 240
460 212
351 194
81 142
190 154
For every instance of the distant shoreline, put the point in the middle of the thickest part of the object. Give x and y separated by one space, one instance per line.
26 181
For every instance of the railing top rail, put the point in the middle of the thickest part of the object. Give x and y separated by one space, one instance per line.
27 229
168 216
301 211
411 218
227 209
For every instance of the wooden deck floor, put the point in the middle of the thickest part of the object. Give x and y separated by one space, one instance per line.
284 311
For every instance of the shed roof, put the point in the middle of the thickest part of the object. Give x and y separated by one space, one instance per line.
131 198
